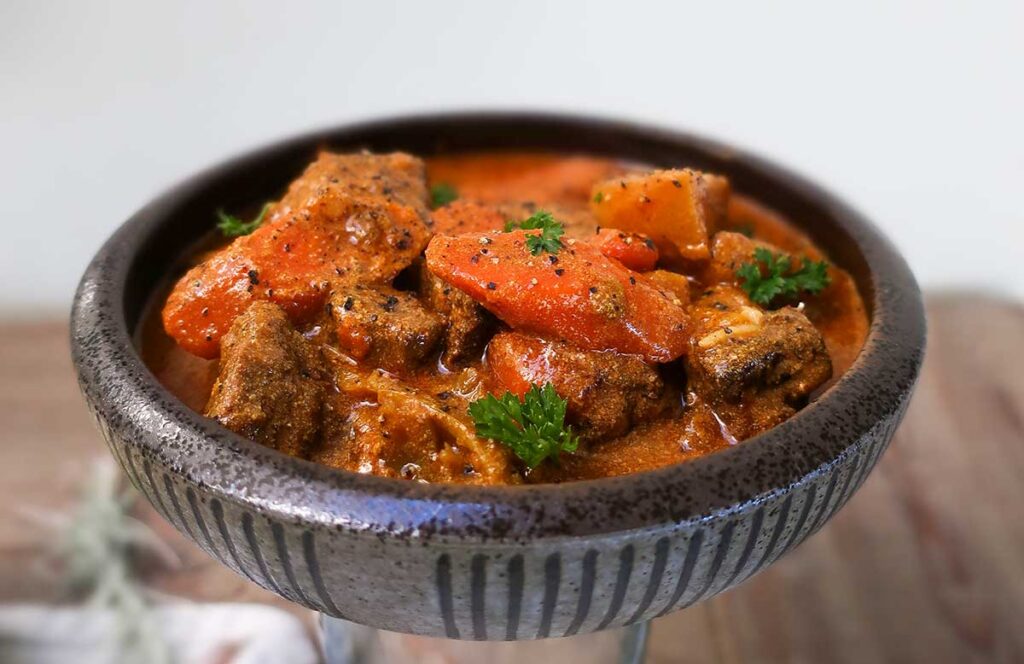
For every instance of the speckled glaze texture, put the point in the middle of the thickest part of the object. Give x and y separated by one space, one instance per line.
502 562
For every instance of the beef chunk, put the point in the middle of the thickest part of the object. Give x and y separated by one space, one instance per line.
268 389
728 252
468 325
607 392
383 327
378 424
755 368
395 178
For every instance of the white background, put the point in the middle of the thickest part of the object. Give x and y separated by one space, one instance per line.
912 111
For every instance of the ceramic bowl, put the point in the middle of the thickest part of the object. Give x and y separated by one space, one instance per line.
502 562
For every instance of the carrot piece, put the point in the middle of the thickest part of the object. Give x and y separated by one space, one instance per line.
634 250
578 295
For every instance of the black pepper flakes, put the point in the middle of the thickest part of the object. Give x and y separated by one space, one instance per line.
254 277
632 280
390 303
592 289
347 306
491 285
559 272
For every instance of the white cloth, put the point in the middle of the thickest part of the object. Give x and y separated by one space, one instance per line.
193 634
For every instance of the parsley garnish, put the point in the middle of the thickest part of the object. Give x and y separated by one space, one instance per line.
812 277
442 194
534 428
598 197
548 238
232 226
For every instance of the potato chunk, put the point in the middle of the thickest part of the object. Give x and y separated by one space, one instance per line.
678 209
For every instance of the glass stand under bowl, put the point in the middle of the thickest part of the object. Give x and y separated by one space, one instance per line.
348 643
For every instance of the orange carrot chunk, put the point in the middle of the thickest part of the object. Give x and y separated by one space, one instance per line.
576 294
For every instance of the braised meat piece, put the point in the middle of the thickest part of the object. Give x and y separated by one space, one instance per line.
607 392
755 368
377 424
269 388
388 179
467 324
383 327
728 252
357 214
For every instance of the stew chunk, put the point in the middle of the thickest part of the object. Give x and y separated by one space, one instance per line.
607 393
357 213
755 368
382 326
468 325
678 209
576 294
269 387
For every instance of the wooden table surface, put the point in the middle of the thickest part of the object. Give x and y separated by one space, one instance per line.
925 564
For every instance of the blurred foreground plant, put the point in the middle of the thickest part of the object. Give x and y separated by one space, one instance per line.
97 547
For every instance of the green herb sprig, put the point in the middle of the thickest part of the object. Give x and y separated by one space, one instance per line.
232 226
442 194
534 428
771 275
549 238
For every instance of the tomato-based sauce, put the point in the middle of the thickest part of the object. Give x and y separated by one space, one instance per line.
400 410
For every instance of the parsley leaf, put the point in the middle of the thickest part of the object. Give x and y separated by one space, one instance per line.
534 428
548 238
812 276
232 226
442 194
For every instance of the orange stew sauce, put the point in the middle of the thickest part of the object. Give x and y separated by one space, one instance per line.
563 183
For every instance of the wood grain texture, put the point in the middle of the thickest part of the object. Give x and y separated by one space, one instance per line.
926 563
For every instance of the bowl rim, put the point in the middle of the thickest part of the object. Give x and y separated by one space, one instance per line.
128 397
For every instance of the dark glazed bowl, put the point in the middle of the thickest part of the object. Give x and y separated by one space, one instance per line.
504 562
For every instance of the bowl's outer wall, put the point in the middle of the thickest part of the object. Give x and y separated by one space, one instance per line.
502 590
504 563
